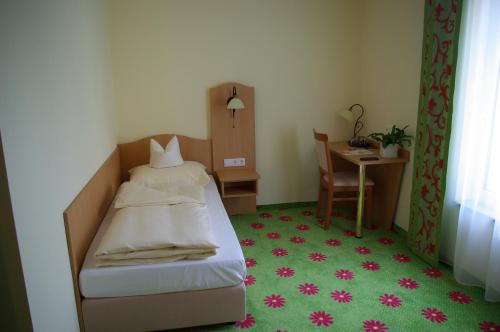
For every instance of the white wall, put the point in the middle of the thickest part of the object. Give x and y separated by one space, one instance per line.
390 74
302 57
57 125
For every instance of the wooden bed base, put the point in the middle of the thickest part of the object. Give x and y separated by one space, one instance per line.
165 311
84 215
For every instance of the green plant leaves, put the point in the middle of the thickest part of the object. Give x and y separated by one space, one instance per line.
395 136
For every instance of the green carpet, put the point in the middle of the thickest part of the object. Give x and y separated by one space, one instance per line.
302 278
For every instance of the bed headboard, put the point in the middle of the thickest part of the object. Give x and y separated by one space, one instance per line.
137 153
84 215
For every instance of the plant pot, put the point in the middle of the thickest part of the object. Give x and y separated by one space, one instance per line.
390 151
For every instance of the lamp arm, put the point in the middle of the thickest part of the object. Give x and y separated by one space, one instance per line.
357 128
231 97
359 124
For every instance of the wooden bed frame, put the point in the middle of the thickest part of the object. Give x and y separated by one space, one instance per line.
82 219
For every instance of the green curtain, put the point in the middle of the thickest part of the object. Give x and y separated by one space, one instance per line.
437 80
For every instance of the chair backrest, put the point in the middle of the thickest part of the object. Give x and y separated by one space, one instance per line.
323 153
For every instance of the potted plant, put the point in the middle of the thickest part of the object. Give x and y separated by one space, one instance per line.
391 141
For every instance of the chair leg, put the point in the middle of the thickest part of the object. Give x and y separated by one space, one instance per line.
329 208
318 206
369 206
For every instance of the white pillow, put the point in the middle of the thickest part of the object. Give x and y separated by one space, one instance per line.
168 157
188 174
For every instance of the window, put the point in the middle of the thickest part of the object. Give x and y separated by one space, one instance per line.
476 129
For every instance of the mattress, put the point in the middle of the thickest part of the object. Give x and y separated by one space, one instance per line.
226 268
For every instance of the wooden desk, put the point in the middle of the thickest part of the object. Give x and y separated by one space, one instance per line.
385 172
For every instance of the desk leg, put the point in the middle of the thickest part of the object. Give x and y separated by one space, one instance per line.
361 199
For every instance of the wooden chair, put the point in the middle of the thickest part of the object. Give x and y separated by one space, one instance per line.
343 184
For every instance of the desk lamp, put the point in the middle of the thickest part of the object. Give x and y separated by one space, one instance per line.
348 114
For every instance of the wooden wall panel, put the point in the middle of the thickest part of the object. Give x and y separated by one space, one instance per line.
83 217
229 142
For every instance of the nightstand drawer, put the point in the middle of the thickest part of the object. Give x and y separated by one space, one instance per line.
238 189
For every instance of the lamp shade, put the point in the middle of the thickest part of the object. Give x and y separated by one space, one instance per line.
235 103
346 114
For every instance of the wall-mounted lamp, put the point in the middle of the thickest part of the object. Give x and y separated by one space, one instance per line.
234 103
348 114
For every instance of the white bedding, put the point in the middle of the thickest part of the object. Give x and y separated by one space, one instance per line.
226 268
163 233
132 194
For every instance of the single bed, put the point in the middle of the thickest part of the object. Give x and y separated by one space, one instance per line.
157 296
225 269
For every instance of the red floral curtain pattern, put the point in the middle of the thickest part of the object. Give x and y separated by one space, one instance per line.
439 55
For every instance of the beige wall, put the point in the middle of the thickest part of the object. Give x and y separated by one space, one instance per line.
57 126
302 57
305 59
390 73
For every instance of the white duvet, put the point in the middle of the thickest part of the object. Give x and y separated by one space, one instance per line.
133 194
157 226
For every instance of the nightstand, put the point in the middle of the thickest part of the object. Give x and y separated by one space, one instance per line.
238 189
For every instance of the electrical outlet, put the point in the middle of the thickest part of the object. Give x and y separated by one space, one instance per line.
234 162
